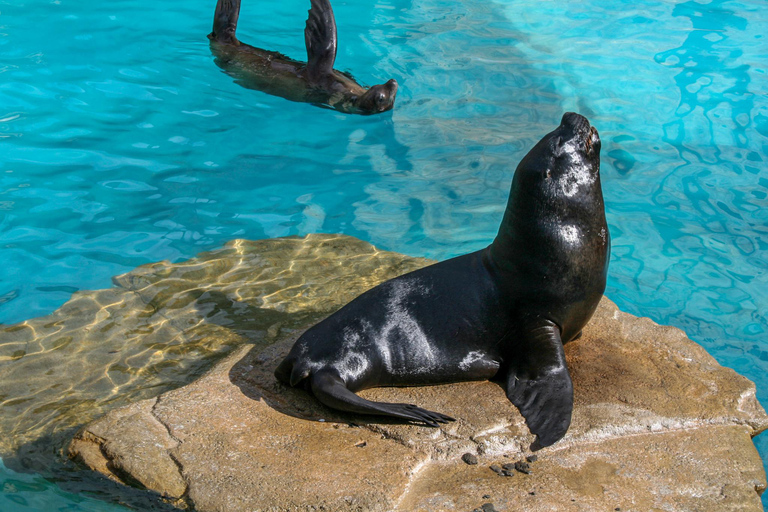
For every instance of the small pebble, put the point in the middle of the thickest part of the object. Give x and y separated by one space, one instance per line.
488 507
532 458
523 467
505 470
486 496
469 458
532 493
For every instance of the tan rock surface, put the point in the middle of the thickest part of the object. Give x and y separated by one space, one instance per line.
658 424
686 470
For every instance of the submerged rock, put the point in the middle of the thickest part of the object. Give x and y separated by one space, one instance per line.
162 325
657 423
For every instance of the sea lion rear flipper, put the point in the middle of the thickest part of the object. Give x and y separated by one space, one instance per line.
539 384
330 390
320 39
225 22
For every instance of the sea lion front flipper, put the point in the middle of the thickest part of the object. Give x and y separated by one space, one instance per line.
320 38
328 387
539 384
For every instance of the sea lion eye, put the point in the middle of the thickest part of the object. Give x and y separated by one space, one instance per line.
381 98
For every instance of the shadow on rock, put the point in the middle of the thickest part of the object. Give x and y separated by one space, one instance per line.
272 333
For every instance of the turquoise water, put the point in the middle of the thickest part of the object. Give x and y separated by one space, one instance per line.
22 492
121 143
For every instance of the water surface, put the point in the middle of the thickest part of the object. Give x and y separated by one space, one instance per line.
121 143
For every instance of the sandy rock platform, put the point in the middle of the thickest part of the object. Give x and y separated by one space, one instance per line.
657 425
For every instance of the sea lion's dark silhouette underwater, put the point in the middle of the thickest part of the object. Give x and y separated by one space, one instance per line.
502 312
314 81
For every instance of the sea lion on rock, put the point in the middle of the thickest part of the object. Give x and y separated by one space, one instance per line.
504 311
314 81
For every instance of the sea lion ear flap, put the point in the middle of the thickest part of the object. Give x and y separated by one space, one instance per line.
320 39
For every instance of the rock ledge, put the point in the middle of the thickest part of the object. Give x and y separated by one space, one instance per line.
657 425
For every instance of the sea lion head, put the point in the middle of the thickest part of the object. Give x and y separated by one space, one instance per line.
556 187
378 98
568 157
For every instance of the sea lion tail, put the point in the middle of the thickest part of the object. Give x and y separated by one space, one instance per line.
225 22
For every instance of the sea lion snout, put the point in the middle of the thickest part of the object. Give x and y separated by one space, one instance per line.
392 86
581 131
577 122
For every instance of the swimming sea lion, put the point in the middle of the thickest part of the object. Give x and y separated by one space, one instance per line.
314 81
504 311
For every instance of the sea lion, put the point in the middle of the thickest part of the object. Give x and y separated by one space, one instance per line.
501 312
314 81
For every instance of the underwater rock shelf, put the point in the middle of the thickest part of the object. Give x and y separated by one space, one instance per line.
657 423
162 325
